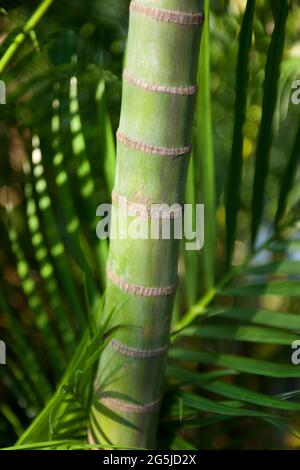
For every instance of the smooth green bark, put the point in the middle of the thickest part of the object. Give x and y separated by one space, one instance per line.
160 53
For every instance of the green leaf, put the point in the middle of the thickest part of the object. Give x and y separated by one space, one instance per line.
72 397
189 377
107 136
277 267
41 318
179 443
285 246
26 355
288 288
204 153
288 178
238 363
242 333
52 234
191 258
280 320
240 393
233 391
28 28
62 180
11 417
47 272
209 406
272 74
233 192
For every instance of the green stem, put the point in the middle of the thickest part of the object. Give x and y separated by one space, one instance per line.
20 38
153 153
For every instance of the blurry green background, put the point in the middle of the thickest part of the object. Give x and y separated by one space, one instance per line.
87 39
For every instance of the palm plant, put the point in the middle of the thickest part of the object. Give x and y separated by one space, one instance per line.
234 317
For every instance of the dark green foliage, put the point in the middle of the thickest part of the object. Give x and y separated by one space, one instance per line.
229 371
233 193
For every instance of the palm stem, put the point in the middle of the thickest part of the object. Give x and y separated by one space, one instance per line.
153 152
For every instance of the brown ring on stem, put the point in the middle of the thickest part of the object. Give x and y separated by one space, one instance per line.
174 90
147 211
169 16
136 289
152 149
135 352
121 405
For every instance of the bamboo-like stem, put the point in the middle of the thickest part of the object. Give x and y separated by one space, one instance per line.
154 143
20 38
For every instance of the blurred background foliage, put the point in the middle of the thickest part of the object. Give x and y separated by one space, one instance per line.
57 165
